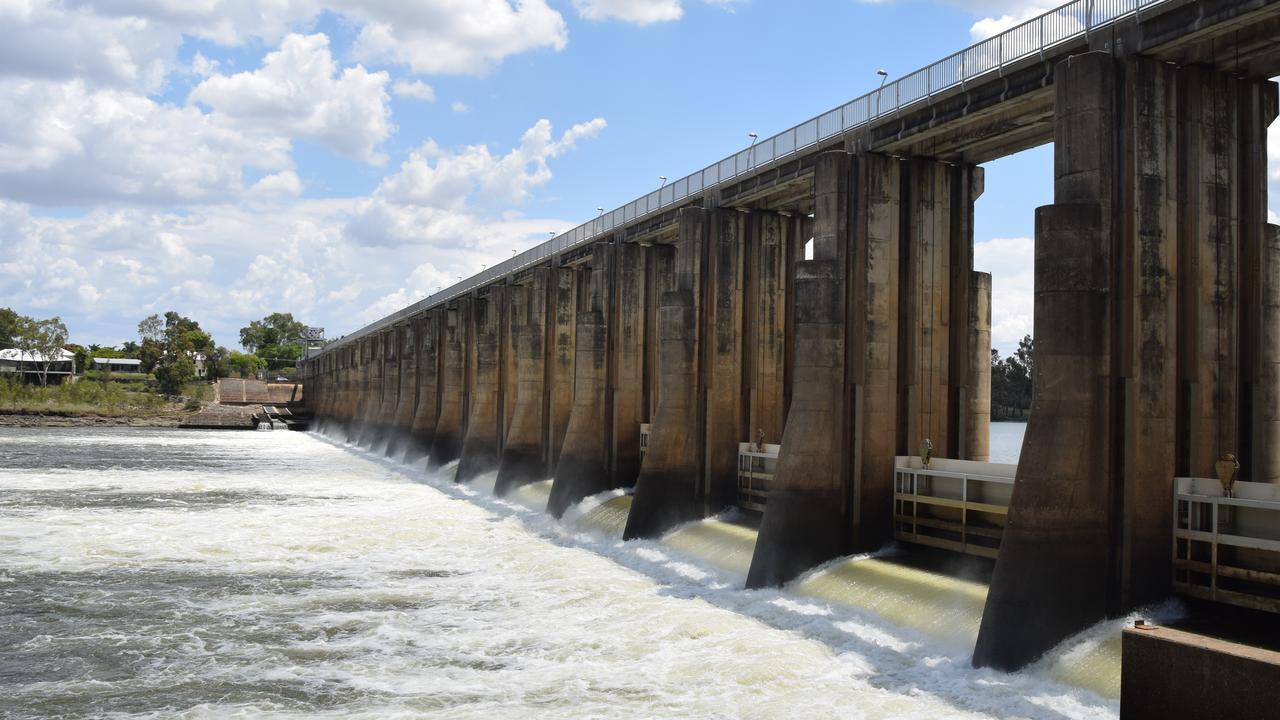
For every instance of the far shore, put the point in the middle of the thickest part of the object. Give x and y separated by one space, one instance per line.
59 418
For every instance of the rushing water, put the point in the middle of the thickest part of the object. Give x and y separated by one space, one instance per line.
160 573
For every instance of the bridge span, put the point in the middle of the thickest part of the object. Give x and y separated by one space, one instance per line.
813 299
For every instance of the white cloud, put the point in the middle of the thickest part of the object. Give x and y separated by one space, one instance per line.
278 184
459 107
1011 262
416 89
640 12
73 145
453 36
441 179
299 91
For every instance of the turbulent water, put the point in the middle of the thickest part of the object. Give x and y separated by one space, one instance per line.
159 573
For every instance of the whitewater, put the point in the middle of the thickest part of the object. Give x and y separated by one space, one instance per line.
166 573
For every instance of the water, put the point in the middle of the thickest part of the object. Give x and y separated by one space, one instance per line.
162 573
1006 441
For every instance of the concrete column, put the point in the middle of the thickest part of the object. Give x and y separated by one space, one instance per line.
481 451
668 491
583 469
447 439
628 362
925 369
427 406
1138 344
524 453
563 342
875 401
805 520
765 330
721 369
388 389
370 388
977 423
1266 397
1209 253
511 316
407 391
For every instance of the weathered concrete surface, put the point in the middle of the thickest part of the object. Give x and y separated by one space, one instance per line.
805 520
407 395
1266 397
427 405
564 357
627 363
481 451
1138 369
721 370
1169 674
977 438
668 489
446 445
525 452
765 330
382 428
370 397
583 469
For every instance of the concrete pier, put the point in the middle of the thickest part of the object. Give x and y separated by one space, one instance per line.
524 455
446 444
481 449
583 468
406 390
427 405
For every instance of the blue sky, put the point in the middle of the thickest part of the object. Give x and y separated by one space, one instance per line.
339 159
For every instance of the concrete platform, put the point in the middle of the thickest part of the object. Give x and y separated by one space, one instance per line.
1172 674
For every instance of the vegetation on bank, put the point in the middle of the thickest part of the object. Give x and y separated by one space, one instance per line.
1011 382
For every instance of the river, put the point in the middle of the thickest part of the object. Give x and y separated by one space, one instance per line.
165 573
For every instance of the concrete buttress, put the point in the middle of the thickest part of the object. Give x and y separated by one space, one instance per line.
446 445
481 448
427 406
524 454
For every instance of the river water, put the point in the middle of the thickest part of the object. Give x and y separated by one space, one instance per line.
164 573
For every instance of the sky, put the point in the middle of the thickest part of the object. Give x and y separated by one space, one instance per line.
340 159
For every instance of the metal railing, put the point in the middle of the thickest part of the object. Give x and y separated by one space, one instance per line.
1070 22
958 505
1227 549
757 464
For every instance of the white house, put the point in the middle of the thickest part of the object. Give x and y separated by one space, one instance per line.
129 365
28 365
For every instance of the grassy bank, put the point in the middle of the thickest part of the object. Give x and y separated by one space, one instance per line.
95 398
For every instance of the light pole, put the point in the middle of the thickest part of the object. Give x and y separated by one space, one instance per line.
884 75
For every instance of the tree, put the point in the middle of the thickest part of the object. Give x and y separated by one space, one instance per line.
274 329
43 340
81 356
1011 380
245 364
169 348
8 328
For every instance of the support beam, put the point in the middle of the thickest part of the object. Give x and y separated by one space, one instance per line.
524 453
583 469
446 445
427 407
668 491
407 390
481 451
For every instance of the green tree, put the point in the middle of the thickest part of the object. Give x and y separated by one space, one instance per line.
8 328
82 356
174 373
245 365
274 329
43 340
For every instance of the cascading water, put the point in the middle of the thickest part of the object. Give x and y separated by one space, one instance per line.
156 573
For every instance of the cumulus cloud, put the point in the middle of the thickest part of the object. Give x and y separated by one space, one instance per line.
277 184
300 91
444 179
454 36
1011 262
459 107
640 12
416 89
74 145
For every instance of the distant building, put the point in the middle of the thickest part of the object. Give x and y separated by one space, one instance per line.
61 367
129 365
202 370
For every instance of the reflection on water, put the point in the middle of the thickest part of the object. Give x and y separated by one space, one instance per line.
160 573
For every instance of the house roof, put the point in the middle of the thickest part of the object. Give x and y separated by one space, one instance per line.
118 361
16 355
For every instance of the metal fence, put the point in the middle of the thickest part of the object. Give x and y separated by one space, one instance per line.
1067 23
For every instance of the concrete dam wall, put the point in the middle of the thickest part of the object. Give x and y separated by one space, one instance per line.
817 317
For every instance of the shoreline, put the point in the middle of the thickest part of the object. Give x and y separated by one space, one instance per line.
56 418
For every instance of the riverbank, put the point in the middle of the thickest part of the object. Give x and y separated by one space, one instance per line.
72 418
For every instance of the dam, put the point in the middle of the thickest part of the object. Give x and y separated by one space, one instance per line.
797 331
